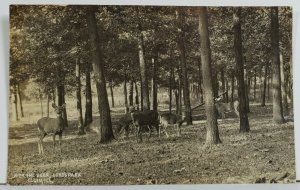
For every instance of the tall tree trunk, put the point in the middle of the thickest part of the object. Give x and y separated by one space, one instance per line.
276 82
238 49
136 95
254 86
177 101
15 102
170 89
143 67
98 68
48 104
111 94
154 82
180 88
291 84
226 92
20 100
283 86
131 93
78 96
212 131
64 113
88 94
232 87
186 92
246 77
41 103
264 89
125 97
223 82
200 80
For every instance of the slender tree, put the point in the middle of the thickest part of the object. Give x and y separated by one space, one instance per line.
212 131
182 48
238 49
106 133
276 81
78 96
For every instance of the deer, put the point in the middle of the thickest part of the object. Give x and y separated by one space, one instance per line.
224 108
51 126
144 119
167 119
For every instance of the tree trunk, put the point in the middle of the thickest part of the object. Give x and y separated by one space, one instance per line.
98 68
238 49
246 87
283 86
223 82
264 89
125 96
131 93
291 84
15 101
226 91
180 89
212 131
232 87
143 67
277 103
136 95
88 94
41 103
154 83
20 100
48 104
112 94
254 86
64 113
186 92
200 80
78 96
170 89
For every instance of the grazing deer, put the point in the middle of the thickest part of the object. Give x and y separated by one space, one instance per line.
142 119
167 119
51 126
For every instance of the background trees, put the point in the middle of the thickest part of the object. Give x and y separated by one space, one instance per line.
150 56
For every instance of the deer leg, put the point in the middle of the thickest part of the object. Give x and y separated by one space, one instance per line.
41 148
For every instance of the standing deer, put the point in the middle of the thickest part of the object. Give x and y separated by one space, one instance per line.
51 126
167 119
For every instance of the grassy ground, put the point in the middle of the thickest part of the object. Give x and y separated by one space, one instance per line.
266 154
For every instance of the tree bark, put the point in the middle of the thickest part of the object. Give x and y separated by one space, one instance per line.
41 103
88 94
223 82
125 96
154 82
106 133
78 96
264 89
170 89
254 86
48 104
232 87
136 95
112 94
200 80
283 86
20 100
143 68
238 49
131 93
212 131
276 81
186 92
15 101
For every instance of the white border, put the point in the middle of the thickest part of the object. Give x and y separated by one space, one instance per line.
4 52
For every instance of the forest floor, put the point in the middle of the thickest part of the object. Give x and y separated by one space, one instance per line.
264 155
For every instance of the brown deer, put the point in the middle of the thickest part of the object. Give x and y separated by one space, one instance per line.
51 126
167 119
